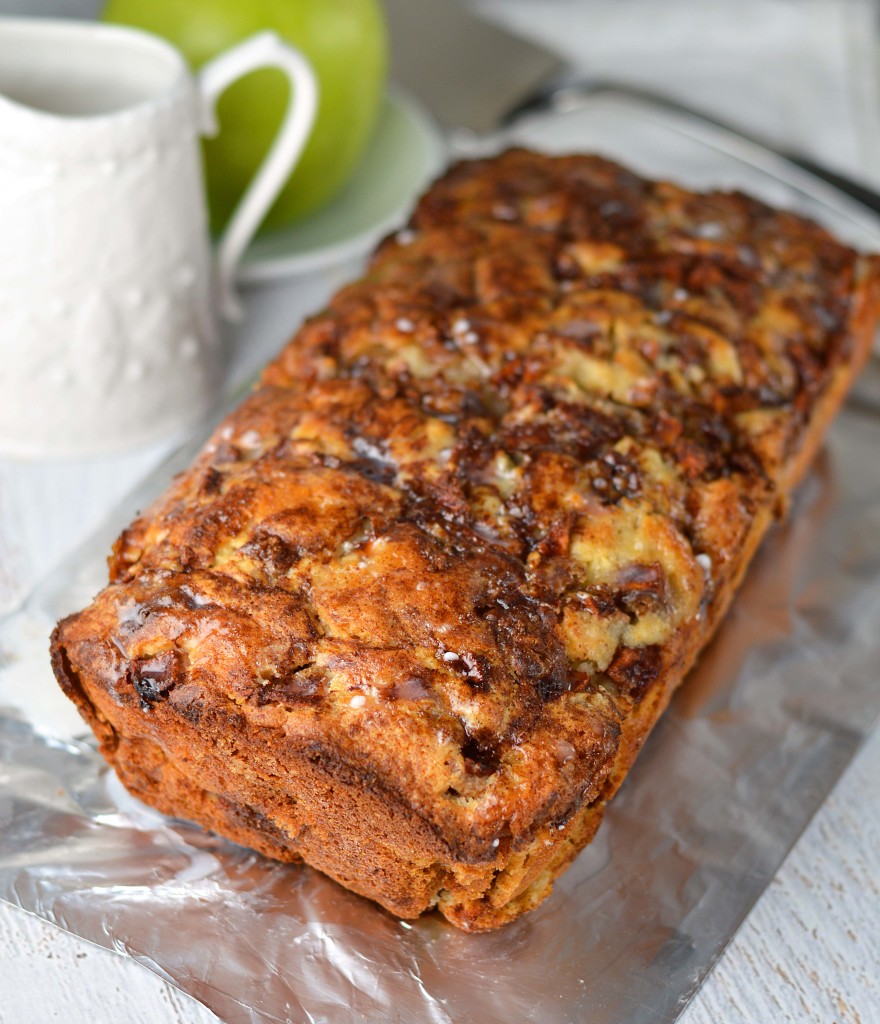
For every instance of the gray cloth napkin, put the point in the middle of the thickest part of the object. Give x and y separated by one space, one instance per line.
802 72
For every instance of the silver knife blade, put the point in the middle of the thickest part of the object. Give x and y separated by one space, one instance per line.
468 71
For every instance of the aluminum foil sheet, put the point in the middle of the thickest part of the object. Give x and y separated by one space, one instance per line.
743 758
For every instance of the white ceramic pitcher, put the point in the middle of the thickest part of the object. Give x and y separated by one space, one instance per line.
107 290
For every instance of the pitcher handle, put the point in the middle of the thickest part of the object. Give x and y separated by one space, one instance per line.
265 49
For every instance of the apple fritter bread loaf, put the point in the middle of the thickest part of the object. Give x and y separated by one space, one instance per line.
414 609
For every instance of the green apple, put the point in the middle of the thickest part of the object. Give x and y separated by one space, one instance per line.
346 43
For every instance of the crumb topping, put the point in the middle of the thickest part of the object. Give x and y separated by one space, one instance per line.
472 509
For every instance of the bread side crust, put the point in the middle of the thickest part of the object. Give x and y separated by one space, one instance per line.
529 886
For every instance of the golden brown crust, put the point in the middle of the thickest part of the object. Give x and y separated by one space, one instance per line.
417 605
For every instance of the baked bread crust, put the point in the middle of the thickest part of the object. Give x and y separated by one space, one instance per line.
414 609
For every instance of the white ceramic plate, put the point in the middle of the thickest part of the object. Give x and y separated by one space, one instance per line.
406 151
